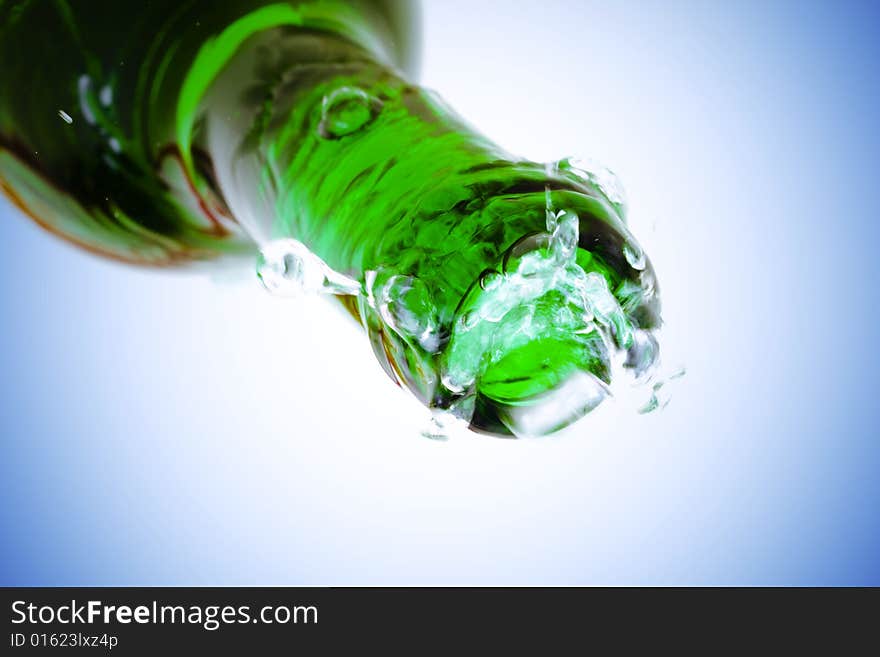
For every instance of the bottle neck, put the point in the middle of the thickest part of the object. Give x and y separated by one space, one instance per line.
462 261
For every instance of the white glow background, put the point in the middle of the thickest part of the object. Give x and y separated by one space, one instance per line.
162 428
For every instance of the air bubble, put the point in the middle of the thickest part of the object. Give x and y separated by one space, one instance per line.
106 95
469 319
346 111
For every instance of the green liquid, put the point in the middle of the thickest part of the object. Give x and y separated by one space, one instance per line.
506 292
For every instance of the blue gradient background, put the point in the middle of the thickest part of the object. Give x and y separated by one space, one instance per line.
166 428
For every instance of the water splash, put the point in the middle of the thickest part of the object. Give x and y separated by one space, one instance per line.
490 279
564 238
603 306
540 291
661 393
596 175
642 354
288 269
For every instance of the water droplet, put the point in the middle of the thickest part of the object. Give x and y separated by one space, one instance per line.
65 117
634 255
654 402
659 399
287 268
406 306
435 429
661 393
347 110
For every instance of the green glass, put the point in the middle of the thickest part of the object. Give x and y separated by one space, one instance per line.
505 292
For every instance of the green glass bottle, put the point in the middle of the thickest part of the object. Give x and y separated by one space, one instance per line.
505 292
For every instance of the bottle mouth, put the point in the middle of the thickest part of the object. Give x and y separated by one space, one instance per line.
525 341
534 341
530 348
